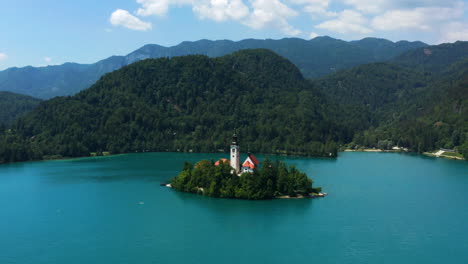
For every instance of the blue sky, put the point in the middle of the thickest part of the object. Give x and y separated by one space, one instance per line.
49 32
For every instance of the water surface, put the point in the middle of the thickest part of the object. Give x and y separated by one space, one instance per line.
381 208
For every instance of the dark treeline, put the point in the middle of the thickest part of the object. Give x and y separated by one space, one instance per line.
273 179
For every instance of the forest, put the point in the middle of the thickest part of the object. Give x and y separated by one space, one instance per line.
13 106
193 103
421 105
190 103
273 179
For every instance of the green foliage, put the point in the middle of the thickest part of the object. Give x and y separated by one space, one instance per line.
193 103
190 103
273 179
399 103
14 105
463 149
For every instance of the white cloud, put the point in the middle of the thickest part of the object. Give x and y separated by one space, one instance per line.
47 59
272 14
221 10
259 14
357 17
317 8
424 18
368 6
159 7
454 31
3 57
124 18
313 35
380 6
348 21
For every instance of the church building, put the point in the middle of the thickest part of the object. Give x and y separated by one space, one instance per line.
249 164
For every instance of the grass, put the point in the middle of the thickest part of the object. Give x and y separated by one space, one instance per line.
450 154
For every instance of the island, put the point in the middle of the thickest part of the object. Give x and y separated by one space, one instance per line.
252 180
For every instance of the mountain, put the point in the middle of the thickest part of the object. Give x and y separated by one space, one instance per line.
434 58
14 105
419 100
317 57
189 103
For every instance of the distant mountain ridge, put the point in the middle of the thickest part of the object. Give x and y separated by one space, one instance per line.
314 58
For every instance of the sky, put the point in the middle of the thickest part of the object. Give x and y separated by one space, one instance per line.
51 32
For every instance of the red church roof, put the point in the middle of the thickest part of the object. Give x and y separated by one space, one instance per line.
248 164
254 159
221 160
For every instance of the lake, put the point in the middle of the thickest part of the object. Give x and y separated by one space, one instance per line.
381 208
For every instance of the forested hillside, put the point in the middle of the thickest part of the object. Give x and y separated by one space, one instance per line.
418 101
314 58
14 105
190 103
193 103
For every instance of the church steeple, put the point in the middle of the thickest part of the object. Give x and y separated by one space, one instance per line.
235 154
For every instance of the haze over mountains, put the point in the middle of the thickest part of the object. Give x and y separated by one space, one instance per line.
314 58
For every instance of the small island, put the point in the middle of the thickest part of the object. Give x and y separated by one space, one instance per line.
253 181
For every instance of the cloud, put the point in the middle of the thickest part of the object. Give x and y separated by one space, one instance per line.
124 18
380 6
3 57
425 18
259 14
47 59
221 10
313 35
159 7
368 6
345 17
453 31
272 14
317 8
348 21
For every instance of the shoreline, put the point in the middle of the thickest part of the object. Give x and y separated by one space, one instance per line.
373 150
310 196
429 154
299 156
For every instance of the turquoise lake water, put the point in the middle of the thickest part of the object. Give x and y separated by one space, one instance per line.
381 208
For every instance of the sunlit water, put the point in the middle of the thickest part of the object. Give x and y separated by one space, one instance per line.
381 208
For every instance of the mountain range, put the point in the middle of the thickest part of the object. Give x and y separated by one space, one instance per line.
314 58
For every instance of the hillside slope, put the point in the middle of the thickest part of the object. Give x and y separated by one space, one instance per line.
190 103
14 105
419 100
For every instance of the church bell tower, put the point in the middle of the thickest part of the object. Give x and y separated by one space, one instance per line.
235 154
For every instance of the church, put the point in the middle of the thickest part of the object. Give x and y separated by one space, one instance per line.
250 163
